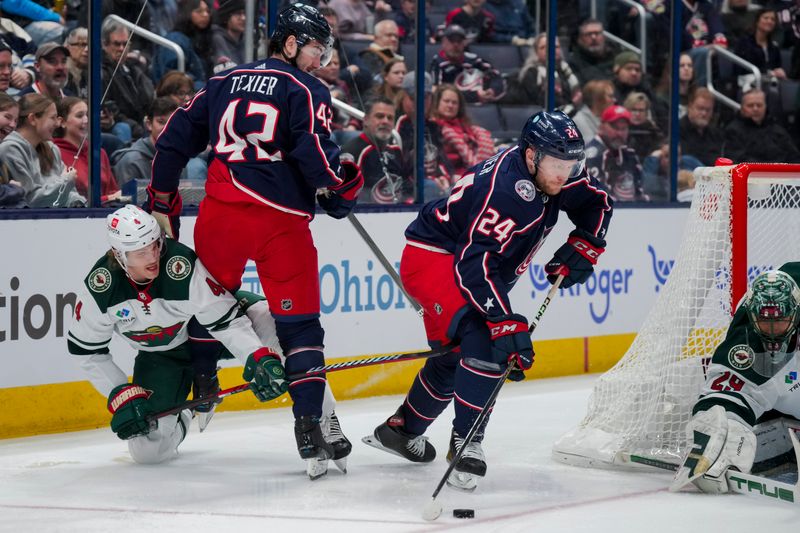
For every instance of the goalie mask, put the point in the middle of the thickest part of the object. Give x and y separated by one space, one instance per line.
773 307
135 238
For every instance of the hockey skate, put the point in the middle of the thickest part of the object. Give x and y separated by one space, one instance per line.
334 436
390 437
312 446
205 385
470 466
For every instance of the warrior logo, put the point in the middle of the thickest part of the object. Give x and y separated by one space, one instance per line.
178 268
155 336
741 357
100 280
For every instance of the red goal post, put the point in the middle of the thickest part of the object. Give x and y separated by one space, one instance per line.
743 219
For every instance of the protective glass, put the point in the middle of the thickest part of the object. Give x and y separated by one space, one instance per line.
571 168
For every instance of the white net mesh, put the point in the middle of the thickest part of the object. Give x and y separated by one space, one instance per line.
642 405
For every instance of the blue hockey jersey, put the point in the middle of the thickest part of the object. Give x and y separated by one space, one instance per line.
495 220
269 123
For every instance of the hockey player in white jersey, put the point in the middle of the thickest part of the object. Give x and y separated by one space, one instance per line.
751 387
147 289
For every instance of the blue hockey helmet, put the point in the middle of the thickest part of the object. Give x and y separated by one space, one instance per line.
556 135
307 24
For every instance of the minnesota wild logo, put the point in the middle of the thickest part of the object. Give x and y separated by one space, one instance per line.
100 280
155 335
178 267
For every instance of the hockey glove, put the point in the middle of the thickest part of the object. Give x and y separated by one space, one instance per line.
128 404
575 259
265 371
340 199
166 209
511 340
718 444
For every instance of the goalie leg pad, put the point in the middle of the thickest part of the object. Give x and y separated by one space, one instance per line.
161 444
718 444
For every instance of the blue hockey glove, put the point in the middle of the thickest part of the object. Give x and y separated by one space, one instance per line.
166 211
575 259
267 374
341 199
128 404
511 340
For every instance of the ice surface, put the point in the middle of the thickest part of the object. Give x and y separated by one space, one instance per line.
243 474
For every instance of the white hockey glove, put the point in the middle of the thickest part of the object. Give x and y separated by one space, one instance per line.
718 443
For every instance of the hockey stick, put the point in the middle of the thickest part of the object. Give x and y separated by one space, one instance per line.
739 482
433 509
346 365
383 261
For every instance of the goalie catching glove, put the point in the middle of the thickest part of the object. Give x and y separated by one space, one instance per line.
265 371
575 259
339 200
128 404
718 443
166 209
511 341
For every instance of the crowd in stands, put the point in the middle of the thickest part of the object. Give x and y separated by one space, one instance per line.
485 72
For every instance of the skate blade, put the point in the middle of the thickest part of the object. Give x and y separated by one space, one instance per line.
373 441
341 464
316 468
203 419
462 481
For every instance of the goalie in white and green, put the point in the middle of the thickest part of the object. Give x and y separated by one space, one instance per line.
752 391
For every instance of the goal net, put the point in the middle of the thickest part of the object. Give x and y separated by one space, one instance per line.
743 219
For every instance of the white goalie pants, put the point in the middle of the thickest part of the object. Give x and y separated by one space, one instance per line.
161 444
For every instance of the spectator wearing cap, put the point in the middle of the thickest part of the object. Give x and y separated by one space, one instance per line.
129 87
5 66
476 21
609 159
699 137
51 71
382 50
473 76
753 136
227 39
628 75
593 57
77 42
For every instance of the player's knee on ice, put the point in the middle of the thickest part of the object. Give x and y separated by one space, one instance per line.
162 444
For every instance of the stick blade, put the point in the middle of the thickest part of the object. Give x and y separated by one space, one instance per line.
432 510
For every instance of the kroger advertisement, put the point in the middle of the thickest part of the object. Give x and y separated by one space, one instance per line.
363 311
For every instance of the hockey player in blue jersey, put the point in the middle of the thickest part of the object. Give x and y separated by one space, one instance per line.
268 124
465 253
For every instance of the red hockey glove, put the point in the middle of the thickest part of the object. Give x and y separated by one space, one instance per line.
511 340
341 199
575 259
166 209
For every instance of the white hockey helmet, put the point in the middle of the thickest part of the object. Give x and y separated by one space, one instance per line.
130 228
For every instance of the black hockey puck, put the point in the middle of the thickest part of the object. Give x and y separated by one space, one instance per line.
464 513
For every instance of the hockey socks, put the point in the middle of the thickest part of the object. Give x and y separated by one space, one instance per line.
430 393
473 388
307 393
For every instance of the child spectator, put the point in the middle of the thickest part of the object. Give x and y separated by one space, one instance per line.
34 161
72 139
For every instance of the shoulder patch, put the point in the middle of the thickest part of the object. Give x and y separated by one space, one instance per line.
99 280
525 190
178 267
741 357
